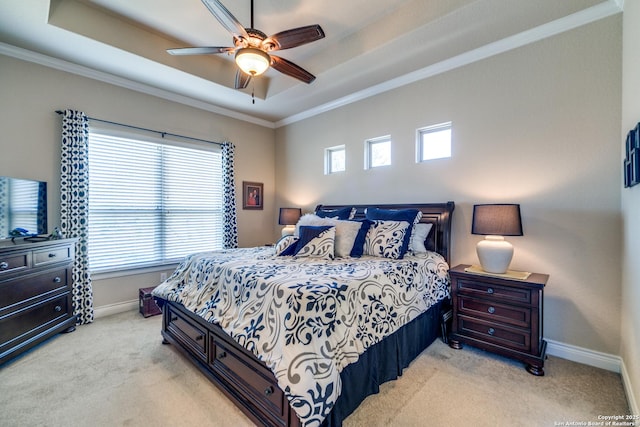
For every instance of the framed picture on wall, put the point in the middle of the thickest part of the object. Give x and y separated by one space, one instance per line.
252 197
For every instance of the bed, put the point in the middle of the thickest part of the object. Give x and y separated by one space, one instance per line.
302 341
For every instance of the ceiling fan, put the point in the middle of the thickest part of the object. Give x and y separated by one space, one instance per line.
252 47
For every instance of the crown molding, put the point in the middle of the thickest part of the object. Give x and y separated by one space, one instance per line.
569 22
583 17
59 64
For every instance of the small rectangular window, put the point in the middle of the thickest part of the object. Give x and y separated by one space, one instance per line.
334 160
433 142
378 152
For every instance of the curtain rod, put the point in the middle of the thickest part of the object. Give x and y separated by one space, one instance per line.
161 133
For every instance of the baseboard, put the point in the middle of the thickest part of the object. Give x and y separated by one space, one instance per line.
108 310
631 398
584 356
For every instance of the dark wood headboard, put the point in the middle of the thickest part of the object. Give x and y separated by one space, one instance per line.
438 214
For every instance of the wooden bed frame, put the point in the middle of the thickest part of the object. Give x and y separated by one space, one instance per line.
238 373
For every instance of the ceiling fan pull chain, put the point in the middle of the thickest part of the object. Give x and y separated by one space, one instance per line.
253 98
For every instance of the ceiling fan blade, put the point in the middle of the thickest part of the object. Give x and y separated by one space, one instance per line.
200 50
225 17
291 69
293 37
242 80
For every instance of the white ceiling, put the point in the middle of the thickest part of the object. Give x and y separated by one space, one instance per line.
370 45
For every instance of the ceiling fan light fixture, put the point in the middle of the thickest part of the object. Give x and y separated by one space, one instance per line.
252 61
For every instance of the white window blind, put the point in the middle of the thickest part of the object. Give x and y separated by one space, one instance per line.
151 203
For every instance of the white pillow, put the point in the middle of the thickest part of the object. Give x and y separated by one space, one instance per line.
418 236
346 231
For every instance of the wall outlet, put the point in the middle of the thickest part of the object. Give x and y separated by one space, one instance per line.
163 276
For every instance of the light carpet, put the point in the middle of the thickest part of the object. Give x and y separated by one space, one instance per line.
116 372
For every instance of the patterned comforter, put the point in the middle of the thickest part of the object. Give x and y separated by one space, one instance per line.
305 318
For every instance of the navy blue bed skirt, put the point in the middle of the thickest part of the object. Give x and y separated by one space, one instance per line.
383 362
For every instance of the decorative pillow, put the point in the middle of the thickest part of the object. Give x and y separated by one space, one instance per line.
316 242
386 239
358 243
412 216
418 236
286 246
310 219
344 213
346 232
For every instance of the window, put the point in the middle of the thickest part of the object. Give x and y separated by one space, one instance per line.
377 152
151 202
334 160
433 142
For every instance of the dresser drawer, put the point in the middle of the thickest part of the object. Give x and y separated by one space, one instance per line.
495 333
189 333
32 288
486 309
51 255
13 263
247 377
32 320
494 292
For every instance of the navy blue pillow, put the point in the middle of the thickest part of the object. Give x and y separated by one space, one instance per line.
358 243
408 215
341 214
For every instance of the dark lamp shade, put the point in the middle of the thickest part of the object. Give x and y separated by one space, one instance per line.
498 220
289 216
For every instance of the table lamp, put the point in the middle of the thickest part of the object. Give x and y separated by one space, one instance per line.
289 218
496 221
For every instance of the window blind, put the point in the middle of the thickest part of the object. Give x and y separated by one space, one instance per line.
151 203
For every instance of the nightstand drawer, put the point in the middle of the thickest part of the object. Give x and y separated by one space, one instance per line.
513 315
485 289
495 333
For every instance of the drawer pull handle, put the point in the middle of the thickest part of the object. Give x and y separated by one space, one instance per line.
4 265
491 331
199 337
269 391
58 309
222 355
52 255
174 318
57 279
491 310
490 290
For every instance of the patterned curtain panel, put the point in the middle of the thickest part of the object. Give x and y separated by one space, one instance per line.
229 183
4 205
74 182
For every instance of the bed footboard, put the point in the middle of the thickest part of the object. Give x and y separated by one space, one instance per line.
244 379
253 387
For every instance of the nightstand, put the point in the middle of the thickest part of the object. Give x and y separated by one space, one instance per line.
499 314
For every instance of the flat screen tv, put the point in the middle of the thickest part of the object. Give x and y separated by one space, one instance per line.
23 205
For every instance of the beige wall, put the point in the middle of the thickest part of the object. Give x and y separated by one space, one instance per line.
539 126
630 313
30 144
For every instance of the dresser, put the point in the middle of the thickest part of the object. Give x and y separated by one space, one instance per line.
499 314
35 293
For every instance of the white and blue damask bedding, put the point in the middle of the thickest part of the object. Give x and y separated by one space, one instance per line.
307 318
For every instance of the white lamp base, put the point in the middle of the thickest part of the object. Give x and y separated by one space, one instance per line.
288 230
495 254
